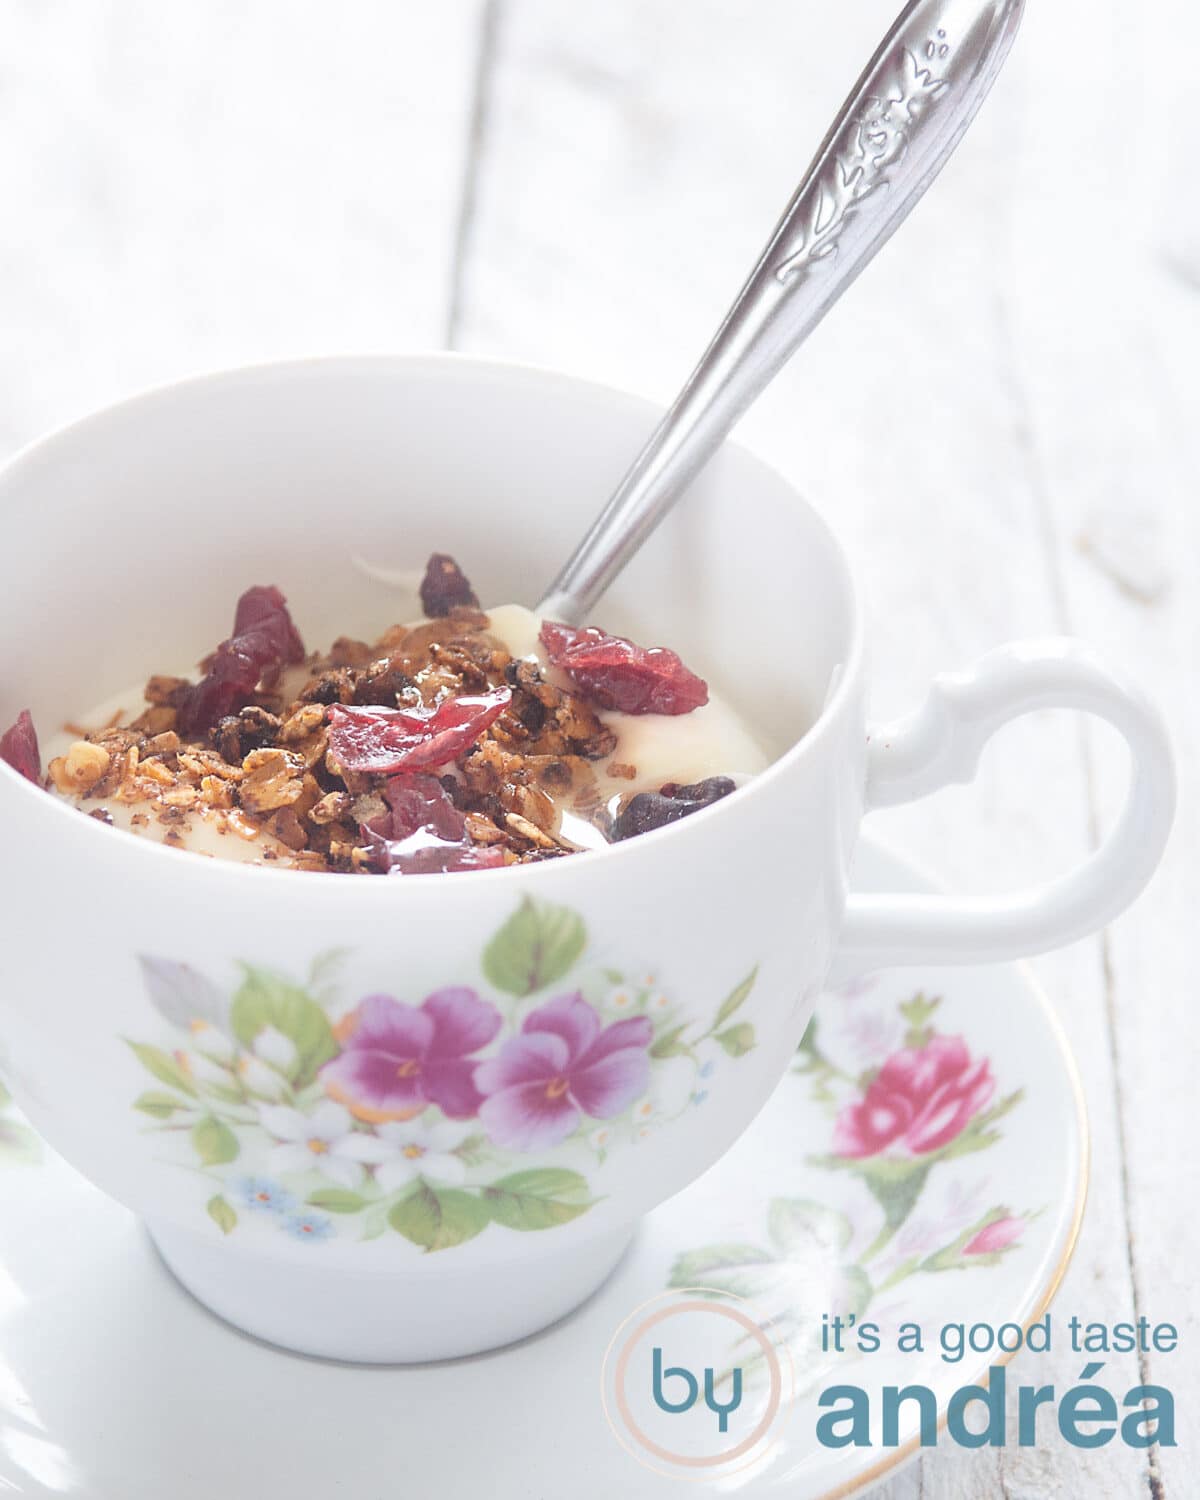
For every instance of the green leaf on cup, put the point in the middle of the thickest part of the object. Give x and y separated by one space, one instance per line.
737 1040
473 1152
222 1214
808 1042
323 970
535 947
337 1200
19 1142
263 1000
226 1095
736 998
214 1142
670 1044
163 1066
375 1222
158 1105
439 1218
538 1199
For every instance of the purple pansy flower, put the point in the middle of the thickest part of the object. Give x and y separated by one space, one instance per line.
563 1065
398 1058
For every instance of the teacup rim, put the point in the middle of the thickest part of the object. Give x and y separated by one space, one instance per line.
805 748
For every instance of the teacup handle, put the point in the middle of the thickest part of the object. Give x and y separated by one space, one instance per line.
941 743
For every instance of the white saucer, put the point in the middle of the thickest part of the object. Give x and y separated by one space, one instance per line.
115 1385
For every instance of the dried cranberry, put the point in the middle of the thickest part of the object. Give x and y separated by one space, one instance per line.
650 810
264 609
432 858
383 740
445 587
615 673
19 747
446 862
423 833
416 802
263 640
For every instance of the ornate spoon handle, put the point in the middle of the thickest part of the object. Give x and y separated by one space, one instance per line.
890 139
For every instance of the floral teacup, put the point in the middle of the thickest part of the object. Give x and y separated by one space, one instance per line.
399 1119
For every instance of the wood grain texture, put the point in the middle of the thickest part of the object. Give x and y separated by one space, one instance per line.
954 419
999 421
1105 342
190 186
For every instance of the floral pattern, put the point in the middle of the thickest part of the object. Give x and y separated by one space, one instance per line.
921 1098
397 1059
921 1102
433 1119
18 1141
564 1065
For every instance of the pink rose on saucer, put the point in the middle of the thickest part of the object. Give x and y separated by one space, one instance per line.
396 1059
922 1098
562 1066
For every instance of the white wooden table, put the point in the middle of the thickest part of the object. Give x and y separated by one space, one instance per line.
1000 423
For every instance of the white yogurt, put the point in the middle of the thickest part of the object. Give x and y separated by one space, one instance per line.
710 741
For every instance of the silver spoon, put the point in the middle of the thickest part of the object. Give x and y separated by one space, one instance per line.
890 139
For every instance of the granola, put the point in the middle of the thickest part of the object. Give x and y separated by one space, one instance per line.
433 748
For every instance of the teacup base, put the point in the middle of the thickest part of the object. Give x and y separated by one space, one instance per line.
375 1317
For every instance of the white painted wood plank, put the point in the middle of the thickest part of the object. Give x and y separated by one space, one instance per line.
635 159
211 184
189 186
1107 339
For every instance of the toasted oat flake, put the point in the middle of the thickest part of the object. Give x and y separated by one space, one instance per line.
82 768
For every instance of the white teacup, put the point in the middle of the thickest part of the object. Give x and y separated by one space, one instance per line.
171 1022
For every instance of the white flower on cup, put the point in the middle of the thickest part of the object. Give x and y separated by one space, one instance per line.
658 1004
621 999
671 1087
601 1139
324 1141
416 1150
276 1049
260 1079
212 1042
644 1111
202 1069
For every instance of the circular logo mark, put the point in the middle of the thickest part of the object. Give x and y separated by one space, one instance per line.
692 1385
